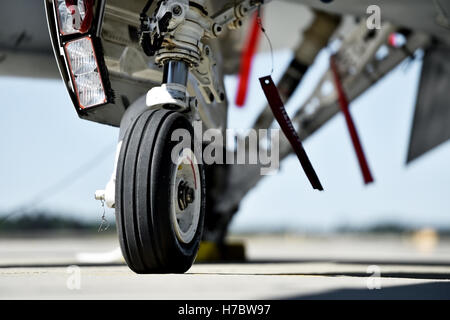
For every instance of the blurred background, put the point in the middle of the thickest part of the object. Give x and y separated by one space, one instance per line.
52 162
286 240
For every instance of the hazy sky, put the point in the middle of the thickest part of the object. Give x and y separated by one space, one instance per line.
42 140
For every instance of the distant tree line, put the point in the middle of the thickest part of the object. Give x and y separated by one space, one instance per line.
46 221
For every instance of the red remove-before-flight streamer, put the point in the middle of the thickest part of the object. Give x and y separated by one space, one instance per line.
247 59
344 105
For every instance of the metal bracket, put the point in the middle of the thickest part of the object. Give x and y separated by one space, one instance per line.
208 84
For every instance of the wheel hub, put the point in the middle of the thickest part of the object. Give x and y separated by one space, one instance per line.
185 195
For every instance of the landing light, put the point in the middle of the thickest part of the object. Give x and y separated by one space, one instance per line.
85 72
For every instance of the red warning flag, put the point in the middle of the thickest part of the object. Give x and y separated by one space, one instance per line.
344 105
280 114
247 59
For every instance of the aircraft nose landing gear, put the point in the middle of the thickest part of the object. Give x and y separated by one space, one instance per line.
159 193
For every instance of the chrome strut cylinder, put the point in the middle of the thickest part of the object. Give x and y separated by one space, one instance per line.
175 72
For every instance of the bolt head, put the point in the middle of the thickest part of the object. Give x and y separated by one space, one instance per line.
177 10
217 29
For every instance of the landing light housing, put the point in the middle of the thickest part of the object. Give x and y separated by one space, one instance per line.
75 28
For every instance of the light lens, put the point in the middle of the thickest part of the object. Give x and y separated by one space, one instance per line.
82 57
75 16
84 69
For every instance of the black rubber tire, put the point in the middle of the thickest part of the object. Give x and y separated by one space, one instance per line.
147 237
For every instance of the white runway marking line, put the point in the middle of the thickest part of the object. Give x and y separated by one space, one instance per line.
102 257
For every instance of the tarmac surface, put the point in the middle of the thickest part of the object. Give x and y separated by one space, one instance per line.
277 267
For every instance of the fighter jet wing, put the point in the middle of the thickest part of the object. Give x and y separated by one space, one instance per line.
25 48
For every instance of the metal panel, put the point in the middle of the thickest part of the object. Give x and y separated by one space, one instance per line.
431 125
